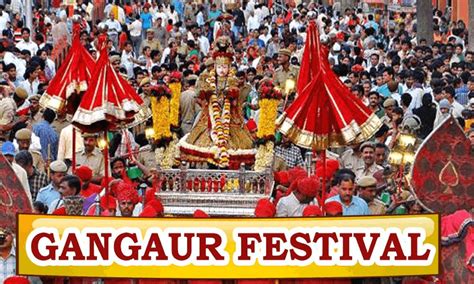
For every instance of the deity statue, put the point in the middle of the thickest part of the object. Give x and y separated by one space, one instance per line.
220 136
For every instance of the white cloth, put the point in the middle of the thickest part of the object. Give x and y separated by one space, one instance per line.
19 63
35 144
126 61
4 18
204 45
457 109
290 206
135 28
65 143
30 88
253 23
31 46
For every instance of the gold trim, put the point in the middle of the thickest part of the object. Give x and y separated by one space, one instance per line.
351 134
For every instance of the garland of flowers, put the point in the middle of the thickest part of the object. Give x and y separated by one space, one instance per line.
160 106
175 88
269 101
220 131
264 156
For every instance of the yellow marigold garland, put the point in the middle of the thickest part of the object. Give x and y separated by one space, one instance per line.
220 132
268 116
161 117
175 88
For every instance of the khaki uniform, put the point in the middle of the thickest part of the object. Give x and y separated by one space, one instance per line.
146 157
188 109
94 160
351 160
361 171
377 207
281 76
7 114
38 161
153 44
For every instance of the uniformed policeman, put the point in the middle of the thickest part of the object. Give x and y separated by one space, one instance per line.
36 115
50 193
285 71
369 168
367 188
23 138
8 107
91 156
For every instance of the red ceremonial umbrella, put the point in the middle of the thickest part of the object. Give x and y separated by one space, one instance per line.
73 77
109 102
325 113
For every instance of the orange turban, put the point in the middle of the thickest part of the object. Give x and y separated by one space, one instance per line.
308 186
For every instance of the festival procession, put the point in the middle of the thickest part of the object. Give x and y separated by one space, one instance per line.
229 108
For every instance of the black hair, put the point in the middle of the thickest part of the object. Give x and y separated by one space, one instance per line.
73 182
406 99
49 115
24 158
40 207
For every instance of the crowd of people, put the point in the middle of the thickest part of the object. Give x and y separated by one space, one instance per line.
411 85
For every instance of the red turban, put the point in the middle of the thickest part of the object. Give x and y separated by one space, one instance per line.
333 208
200 214
296 173
312 210
16 280
148 211
265 209
252 125
84 173
282 178
308 186
108 202
126 192
157 205
340 36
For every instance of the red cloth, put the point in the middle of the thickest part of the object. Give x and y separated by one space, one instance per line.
457 227
90 189
60 211
265 208
324 106
312 210
200 214
157 206
74 73
108 202
16 280
252 125
148 211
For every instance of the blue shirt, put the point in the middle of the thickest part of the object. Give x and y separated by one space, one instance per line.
357 207
48 138
47 195
146 20
385 92
213 15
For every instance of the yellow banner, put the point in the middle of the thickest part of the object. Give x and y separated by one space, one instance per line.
215 248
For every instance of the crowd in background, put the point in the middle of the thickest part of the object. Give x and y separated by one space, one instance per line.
411 85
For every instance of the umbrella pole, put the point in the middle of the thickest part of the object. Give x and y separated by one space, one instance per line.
73 149
106 166
323 197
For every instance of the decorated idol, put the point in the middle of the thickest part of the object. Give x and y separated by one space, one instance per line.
220 136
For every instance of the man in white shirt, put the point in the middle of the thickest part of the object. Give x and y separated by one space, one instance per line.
4 18
304 195
26 42
128 59
65 144
252 22
20 64
204 45
114 28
